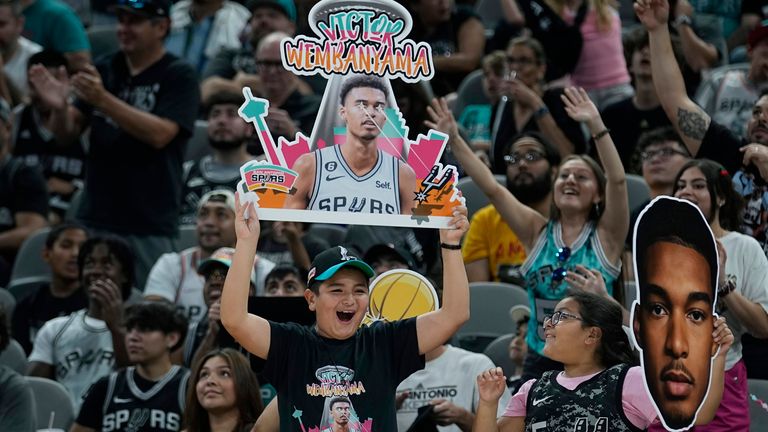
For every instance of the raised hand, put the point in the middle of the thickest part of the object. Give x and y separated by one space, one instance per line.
247 224
459 224
442 118
757 155
578 105
653 14
587 280
88 86
491 384
52 89
108 295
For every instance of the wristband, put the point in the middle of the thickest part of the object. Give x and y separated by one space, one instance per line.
450 246
541 112
601 134
683 20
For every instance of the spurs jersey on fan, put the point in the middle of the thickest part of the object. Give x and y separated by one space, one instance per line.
338 189
158 408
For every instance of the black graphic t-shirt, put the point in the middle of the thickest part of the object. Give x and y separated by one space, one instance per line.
130 186
321 382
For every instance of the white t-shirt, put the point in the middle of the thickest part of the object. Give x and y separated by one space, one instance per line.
728 96
174 277
453 377
748 263
15 68
79 348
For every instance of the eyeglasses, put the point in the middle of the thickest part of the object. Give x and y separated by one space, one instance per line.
269 64
515 158
562 255
558 316
663 154
522 61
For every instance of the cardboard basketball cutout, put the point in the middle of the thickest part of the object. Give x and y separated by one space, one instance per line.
399 294
673 316
359 165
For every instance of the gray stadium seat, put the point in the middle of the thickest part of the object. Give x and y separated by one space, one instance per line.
333 234
14 357
52 397
103 40
470 92
187 237
498 352
758 416
8 302
29 260
197 146
637 191
489 314
474 197
490 12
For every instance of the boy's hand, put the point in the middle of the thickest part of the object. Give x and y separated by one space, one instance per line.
246 229
459 224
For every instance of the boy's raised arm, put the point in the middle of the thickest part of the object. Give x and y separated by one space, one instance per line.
251 331
435 328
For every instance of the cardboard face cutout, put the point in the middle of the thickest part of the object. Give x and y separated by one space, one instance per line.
676 271
358 166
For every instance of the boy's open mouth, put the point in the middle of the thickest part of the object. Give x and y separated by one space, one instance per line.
345 316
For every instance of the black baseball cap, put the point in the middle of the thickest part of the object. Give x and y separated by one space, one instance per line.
329 261
667 217
147 8
388 249
286 7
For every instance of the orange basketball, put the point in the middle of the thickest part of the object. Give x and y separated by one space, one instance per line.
399 294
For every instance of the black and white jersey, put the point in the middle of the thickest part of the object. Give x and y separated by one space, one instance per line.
337 188
160 407
593 406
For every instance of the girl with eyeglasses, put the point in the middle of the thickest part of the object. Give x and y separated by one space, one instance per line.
587 225
743 286
598 386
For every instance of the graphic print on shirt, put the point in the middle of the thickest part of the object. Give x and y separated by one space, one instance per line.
337 385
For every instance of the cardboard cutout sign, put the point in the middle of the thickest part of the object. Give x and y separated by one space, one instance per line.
676 271
399 294
358 166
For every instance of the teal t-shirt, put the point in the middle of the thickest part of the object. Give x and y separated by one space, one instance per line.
55 26
543 292
476 120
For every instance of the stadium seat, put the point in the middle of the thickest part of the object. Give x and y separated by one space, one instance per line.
637 191
8 302
489 314
474 197
333 234
470 92
14 357
197 146
29 260
52 397
758 414
498 352
490 13
103 40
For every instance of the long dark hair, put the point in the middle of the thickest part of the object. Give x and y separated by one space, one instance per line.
247 393
599 311
720 185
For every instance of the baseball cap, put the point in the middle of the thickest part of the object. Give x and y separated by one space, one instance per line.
329 261
147 8
666 217
519 312
225 196
383 249
221 256
287 7
757 34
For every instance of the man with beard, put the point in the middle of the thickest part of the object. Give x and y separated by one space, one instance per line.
492 251
174 277
227 136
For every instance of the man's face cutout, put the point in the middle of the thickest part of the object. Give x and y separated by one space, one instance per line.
673 325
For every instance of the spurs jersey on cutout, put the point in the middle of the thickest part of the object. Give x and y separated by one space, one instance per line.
337 188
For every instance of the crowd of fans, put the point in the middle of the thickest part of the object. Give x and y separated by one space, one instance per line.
94 154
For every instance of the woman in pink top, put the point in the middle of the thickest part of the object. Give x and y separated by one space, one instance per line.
598 385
